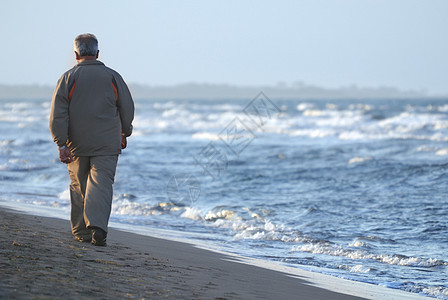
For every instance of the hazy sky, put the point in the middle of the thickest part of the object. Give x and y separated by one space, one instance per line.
333 43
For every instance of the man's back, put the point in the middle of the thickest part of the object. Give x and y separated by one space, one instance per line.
98 104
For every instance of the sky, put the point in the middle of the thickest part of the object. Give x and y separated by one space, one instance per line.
332 43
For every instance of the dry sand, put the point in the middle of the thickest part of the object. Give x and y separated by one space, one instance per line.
39 259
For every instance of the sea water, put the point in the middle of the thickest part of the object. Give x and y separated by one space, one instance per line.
352 188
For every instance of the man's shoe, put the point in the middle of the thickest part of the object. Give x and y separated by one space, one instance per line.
99 237
83 239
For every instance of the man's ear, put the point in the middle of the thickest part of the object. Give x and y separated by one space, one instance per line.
77 55
97 53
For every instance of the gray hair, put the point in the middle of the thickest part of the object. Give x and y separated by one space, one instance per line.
86 44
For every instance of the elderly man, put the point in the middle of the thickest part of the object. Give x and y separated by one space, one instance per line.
91 116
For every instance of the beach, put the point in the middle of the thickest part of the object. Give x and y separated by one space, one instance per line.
284 150
41 260
324 190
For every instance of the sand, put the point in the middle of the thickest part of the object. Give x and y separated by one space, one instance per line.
39 259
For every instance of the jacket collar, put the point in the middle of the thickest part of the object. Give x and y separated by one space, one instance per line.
90 62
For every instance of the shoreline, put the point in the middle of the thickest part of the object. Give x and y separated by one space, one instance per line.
39 254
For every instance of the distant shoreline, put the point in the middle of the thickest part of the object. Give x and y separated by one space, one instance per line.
298 91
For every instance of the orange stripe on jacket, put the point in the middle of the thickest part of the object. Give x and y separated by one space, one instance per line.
70 95
115 88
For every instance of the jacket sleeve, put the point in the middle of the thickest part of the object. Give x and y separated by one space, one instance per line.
125 106
59 114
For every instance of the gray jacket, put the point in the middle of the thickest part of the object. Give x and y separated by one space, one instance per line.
91 107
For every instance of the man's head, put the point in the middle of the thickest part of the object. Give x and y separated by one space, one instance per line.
86 46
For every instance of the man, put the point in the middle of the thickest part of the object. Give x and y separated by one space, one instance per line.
91 116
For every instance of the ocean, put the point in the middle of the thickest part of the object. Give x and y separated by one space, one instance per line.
352 188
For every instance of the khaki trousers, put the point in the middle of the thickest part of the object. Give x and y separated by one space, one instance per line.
91 192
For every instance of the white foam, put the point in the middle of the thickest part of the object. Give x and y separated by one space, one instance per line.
192 213
258 229
359 269
331 106
314 113
64 195
440 124
443 108
426 148
357 243
313 133
205 136
124 205
222 214
407 121
304 106
358 160
127 208
174 112
360 106
436 291
353 135
351 123
337 250
442 152
165 105
253 233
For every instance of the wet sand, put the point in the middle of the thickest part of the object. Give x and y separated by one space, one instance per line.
39 259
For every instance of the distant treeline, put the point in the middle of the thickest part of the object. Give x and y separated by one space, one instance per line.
223 91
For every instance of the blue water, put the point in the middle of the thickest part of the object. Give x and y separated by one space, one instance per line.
356 189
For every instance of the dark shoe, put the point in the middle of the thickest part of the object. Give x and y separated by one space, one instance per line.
83 239
99 237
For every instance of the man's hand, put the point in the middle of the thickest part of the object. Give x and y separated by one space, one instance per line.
124 142
65 155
